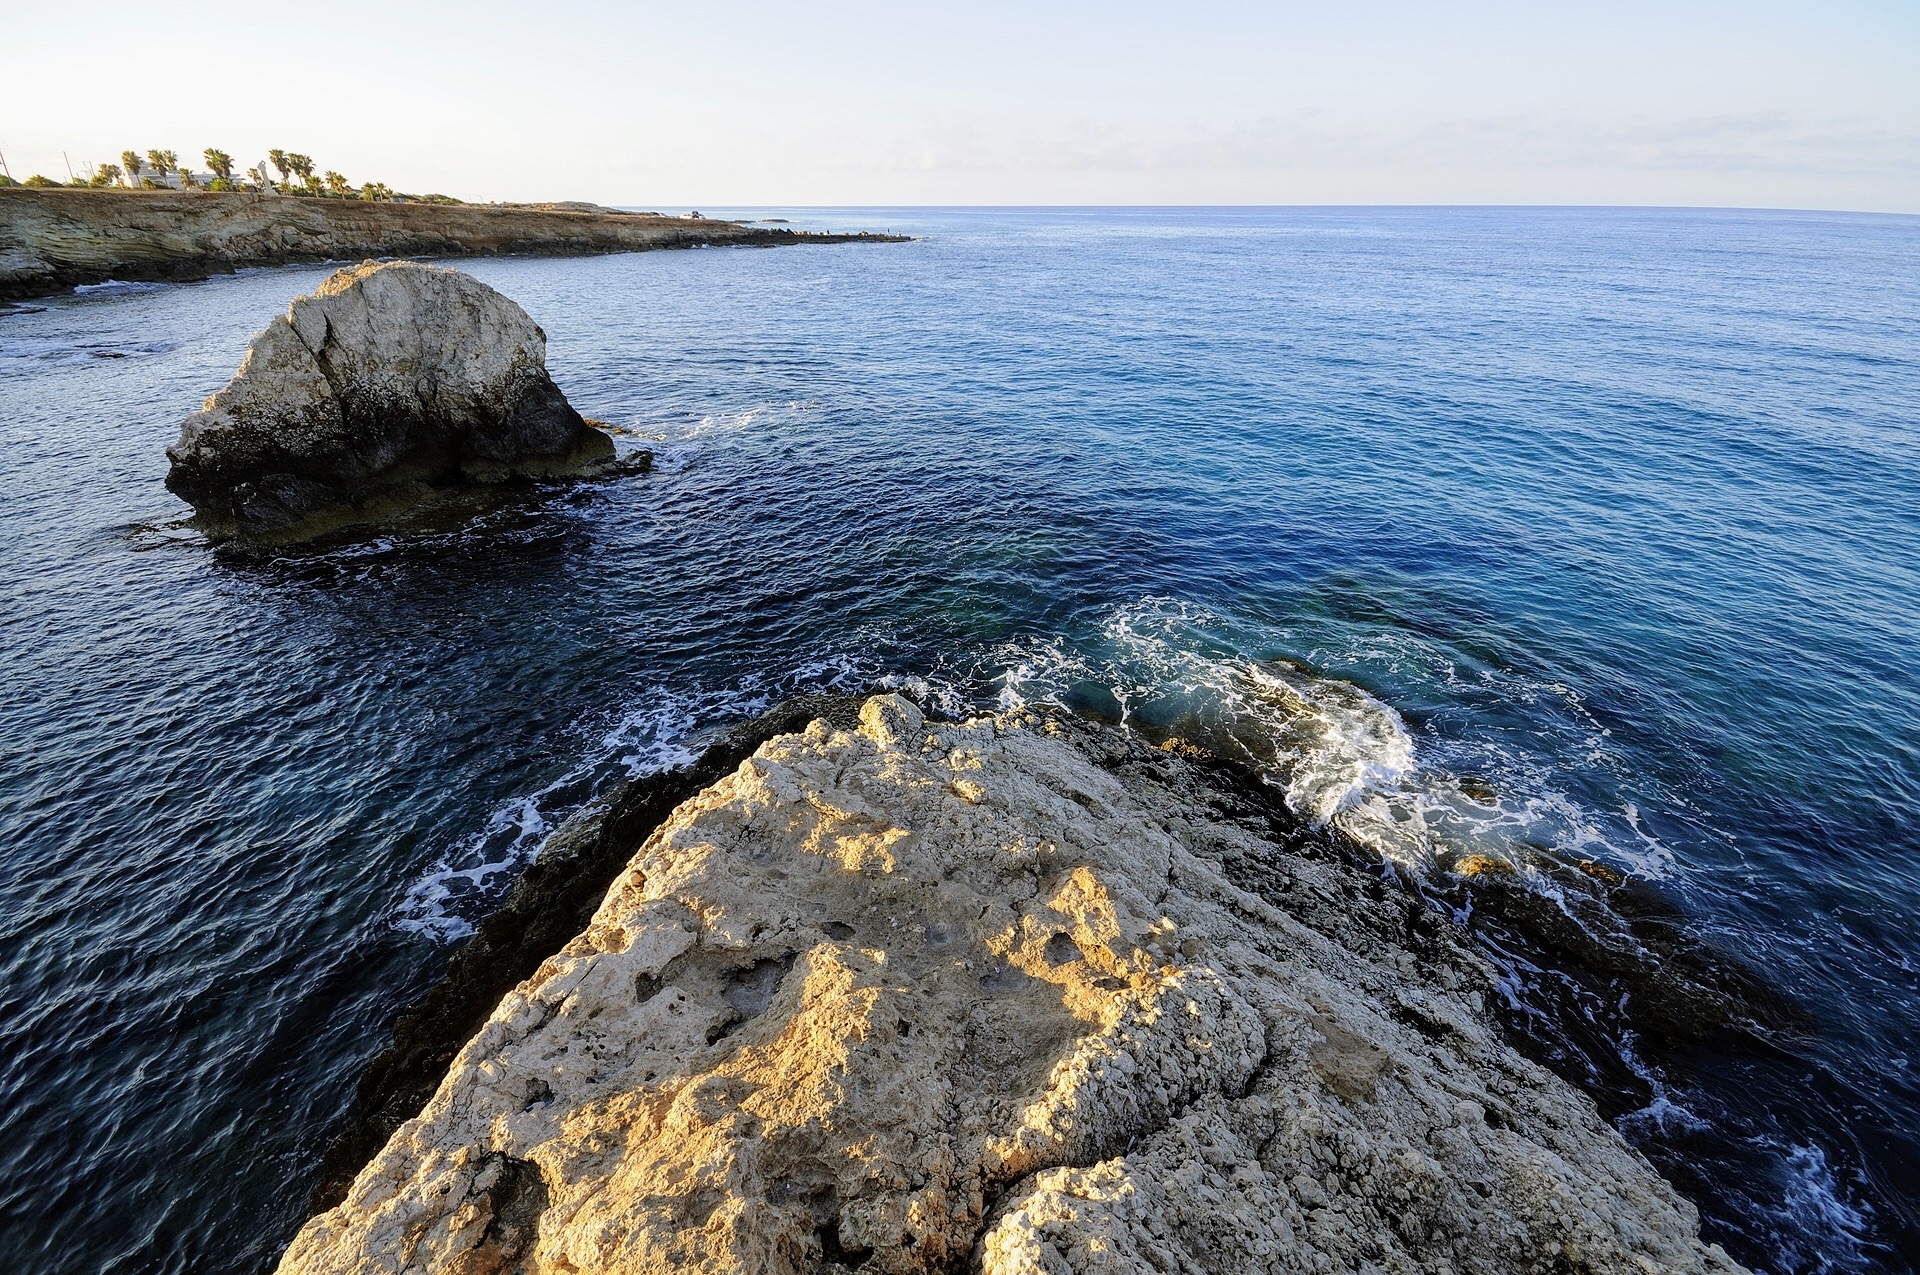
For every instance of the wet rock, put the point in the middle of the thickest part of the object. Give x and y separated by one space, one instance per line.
389 382
924 997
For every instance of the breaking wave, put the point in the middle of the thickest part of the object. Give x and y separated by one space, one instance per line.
667 727
445 902
1341 754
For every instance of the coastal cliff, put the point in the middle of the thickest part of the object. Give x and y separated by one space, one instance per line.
1014 995
53 240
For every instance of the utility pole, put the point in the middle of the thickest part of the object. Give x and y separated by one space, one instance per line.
69 163
3 166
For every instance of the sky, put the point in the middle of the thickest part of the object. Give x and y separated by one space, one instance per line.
676 106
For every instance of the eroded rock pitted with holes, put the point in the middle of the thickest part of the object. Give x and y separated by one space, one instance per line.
932 997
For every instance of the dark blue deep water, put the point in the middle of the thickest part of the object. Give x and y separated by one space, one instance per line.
1525 532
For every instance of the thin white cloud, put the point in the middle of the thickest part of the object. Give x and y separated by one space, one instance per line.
1744 143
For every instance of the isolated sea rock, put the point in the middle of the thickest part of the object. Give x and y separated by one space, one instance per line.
391 380
924 997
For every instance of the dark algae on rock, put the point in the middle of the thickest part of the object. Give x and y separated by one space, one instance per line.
390 381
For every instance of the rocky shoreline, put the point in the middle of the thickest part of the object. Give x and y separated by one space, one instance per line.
54 240
896 995
551 902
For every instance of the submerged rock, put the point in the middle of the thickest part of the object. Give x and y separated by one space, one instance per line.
390 381
923 997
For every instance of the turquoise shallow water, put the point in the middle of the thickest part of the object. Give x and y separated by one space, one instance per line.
1593 533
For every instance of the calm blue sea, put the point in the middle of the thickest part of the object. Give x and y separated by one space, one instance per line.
1525 532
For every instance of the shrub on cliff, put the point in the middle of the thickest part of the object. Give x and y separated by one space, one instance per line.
7 181
38 181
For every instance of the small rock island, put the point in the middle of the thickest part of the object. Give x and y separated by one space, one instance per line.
389 382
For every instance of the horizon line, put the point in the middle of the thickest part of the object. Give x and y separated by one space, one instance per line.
1540 207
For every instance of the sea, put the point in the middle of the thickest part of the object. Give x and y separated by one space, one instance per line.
1545 534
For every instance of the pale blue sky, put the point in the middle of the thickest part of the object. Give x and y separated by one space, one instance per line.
674 106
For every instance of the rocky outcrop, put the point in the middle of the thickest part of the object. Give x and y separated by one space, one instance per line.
389 381
926 997
53 240
552 901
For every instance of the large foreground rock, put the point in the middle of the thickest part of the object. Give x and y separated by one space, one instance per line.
389 381
1009 996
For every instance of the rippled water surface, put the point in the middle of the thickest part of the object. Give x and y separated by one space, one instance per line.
1590 534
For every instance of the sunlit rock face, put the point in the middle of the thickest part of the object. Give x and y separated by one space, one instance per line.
390 381
1012 996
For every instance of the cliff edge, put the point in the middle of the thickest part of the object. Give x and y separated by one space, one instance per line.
1011 995
53 240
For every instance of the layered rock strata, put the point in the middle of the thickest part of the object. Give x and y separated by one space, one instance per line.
53 240
389 381
926 997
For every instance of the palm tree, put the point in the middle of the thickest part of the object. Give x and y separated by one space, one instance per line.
162 162
105 175
186 180
278 158
220 162
302 167
131 161
336 183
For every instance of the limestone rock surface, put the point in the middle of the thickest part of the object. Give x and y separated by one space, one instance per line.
1008 996
390 380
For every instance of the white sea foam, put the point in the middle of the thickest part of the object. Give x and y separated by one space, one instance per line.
1340 754
1662 1115
678 445
667 727
658 734
1814 1202
115 287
